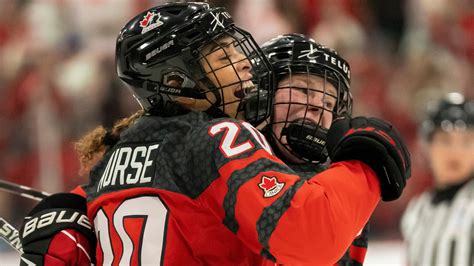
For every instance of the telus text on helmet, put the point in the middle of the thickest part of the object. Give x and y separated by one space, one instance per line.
338 63
313 53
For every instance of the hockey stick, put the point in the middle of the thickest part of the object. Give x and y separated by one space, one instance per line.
23 191
10 235
7 231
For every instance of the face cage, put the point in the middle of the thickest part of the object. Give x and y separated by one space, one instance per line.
249 53
343 105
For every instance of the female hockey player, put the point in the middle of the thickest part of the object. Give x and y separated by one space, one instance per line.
189 184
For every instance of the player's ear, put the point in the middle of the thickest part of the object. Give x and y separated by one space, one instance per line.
173 83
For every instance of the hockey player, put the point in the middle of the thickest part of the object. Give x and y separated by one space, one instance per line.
187 184
437 226
312 90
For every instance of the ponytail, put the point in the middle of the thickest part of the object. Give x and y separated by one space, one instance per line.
92 145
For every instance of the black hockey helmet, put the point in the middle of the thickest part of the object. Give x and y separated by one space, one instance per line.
292 54
166 43
452 112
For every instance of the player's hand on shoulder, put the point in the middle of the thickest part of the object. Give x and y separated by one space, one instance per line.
58 232
376 143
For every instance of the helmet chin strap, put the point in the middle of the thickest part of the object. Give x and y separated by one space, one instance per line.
307 141
272 140
214 110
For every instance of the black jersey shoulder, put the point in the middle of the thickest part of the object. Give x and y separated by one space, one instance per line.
172 153
146 155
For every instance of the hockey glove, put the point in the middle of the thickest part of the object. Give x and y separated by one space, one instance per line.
58 232
377 144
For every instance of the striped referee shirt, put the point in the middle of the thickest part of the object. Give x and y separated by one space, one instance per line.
440 230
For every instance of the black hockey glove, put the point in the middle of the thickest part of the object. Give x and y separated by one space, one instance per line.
58 232
376 143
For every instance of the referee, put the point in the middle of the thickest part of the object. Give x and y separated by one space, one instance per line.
438 226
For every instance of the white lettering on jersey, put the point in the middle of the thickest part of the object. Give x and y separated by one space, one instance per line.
228 146
258 137
128 166
231 131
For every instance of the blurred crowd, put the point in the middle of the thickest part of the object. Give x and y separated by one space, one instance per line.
58 81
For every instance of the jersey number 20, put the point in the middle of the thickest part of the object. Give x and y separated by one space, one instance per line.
231 131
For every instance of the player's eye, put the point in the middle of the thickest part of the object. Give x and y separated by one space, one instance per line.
220 54
329 105
302 89
223 58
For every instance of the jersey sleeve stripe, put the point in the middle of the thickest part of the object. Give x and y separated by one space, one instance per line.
269 219
239 178
363 239
357 254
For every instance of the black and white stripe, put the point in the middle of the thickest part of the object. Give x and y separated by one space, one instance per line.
442 233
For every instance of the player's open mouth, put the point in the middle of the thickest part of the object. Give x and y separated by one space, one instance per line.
246 87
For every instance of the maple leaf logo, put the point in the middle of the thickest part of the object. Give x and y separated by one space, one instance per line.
149 21
146 20
267 183
270 186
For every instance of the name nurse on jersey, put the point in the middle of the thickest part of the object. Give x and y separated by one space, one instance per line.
129 165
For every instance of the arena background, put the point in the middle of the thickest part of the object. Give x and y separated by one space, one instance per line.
57 80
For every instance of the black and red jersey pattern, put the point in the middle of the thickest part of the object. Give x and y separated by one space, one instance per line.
355 255
190 190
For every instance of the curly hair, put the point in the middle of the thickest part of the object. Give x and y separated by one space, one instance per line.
93 144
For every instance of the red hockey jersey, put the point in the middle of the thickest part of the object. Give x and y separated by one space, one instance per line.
189 190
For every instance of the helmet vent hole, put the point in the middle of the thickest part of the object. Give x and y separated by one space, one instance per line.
193 35
174 11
